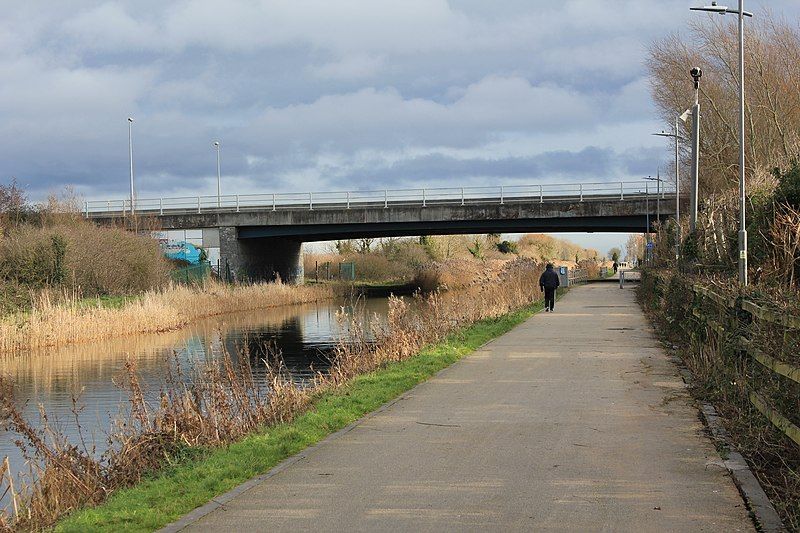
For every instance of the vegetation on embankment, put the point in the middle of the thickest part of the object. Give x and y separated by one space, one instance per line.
219 403
51 323
52 249
742 364
409 261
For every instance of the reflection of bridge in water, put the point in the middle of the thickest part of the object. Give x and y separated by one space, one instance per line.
262 234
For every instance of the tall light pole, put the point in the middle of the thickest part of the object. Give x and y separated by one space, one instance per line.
741 13
647 208
130 157
676 135
219 176
658 181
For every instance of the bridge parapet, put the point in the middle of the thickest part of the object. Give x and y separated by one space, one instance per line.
385 198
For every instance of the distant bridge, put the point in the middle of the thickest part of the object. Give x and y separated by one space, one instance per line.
262 234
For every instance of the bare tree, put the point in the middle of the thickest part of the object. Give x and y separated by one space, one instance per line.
13 204
772 112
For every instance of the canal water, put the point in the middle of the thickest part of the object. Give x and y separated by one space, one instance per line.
304 335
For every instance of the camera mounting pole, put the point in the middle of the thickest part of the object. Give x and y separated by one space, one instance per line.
696 74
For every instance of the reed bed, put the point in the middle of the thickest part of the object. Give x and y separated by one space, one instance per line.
221 401
58 322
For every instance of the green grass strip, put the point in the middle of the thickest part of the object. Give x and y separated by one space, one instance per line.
176 491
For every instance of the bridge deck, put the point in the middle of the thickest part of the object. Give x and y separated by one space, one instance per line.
573 421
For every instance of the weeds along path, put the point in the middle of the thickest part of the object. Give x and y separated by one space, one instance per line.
53 324
221 405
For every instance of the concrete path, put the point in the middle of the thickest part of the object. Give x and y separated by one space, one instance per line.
574 421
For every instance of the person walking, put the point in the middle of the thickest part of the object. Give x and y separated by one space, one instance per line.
616 266
548 283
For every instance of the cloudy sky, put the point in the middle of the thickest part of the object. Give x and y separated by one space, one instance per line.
329 94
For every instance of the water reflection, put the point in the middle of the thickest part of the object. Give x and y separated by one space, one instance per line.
304 335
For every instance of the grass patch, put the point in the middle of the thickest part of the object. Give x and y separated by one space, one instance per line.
204 474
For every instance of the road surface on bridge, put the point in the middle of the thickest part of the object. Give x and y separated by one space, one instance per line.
573 421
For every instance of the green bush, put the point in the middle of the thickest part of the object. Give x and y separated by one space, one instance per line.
508 247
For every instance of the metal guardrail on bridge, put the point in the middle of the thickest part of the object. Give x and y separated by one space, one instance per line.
386 198
577 275
629 275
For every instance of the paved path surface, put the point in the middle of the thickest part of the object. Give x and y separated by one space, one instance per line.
574 421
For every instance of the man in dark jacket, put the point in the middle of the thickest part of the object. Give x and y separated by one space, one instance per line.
549 282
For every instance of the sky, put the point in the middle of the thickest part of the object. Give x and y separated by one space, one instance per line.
331 95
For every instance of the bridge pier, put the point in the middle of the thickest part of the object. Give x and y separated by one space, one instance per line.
264 258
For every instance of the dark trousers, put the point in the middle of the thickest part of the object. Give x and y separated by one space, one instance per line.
549 298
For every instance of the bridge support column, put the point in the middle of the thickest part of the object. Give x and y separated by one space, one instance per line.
265 258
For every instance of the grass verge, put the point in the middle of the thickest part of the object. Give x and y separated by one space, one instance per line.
195 480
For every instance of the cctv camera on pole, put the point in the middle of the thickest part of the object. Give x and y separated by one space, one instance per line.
696 73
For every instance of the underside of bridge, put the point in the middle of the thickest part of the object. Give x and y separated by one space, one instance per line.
266 252
262 258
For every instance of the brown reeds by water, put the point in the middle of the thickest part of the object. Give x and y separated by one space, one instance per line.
68 320
221 401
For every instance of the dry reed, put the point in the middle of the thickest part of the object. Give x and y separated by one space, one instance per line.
50 323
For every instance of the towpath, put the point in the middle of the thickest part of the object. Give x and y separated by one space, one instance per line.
573 421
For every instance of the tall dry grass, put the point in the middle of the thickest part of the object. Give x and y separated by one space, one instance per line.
69 320
221 401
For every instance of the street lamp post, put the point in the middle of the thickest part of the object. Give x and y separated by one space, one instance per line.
658 181
130 157
741 14
219 176
647 209
675 135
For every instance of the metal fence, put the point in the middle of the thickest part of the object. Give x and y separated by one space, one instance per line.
629 275
577 275
386 198
192 274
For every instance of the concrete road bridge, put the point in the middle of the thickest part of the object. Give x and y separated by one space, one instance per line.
261 235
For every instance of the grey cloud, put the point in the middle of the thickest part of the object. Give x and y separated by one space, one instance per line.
318 93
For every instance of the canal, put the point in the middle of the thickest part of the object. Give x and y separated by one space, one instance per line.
304 335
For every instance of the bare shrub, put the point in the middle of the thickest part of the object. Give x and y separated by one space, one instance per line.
784 238
772 114
93 260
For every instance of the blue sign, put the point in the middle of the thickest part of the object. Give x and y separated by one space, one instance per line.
651 245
